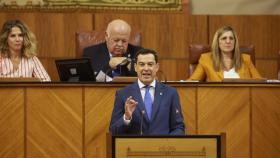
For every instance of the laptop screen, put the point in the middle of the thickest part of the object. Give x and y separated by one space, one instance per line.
75 70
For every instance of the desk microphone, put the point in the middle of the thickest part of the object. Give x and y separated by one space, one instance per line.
141 123
124 62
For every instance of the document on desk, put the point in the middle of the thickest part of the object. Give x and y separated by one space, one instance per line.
273 81
102 77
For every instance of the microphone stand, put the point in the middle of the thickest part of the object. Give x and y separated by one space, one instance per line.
141 123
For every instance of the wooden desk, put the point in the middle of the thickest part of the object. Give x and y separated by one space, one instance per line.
71 120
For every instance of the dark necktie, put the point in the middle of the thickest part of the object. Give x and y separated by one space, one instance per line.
148 102
117 71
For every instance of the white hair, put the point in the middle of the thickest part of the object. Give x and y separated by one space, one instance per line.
118 23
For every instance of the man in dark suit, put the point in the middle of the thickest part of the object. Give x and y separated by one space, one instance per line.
147 107
113 56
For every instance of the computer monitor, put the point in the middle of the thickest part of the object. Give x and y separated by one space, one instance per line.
75 70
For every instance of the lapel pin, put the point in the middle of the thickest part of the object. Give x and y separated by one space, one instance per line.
160 93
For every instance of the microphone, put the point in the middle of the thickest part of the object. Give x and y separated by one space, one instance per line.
141 123
124 62
116 129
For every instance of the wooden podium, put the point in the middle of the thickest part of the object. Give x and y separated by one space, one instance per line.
190 146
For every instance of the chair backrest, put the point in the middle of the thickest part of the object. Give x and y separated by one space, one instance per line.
88 38
197 49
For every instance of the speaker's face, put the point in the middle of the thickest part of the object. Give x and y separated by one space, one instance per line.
146 68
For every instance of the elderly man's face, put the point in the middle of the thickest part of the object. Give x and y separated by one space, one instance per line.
117 41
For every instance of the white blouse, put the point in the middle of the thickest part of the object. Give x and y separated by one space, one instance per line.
28 67
231 74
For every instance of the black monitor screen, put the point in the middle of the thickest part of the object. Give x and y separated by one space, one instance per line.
75 70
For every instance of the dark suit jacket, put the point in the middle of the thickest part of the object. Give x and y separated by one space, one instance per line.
100 57
167 118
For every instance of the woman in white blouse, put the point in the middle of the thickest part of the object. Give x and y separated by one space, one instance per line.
18 53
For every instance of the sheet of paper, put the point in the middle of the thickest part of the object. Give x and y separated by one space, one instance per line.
101 77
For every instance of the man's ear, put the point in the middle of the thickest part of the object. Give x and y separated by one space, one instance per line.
157 65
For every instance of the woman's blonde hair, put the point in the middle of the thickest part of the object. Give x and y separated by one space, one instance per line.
29 40
216 51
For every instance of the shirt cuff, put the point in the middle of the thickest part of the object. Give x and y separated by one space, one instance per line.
126 122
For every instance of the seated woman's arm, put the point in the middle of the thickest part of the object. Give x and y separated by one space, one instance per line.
39 71
198 74
253 71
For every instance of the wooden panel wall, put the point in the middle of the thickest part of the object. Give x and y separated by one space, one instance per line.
12 123
97 112
169 33
54 122
222 115
264 132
